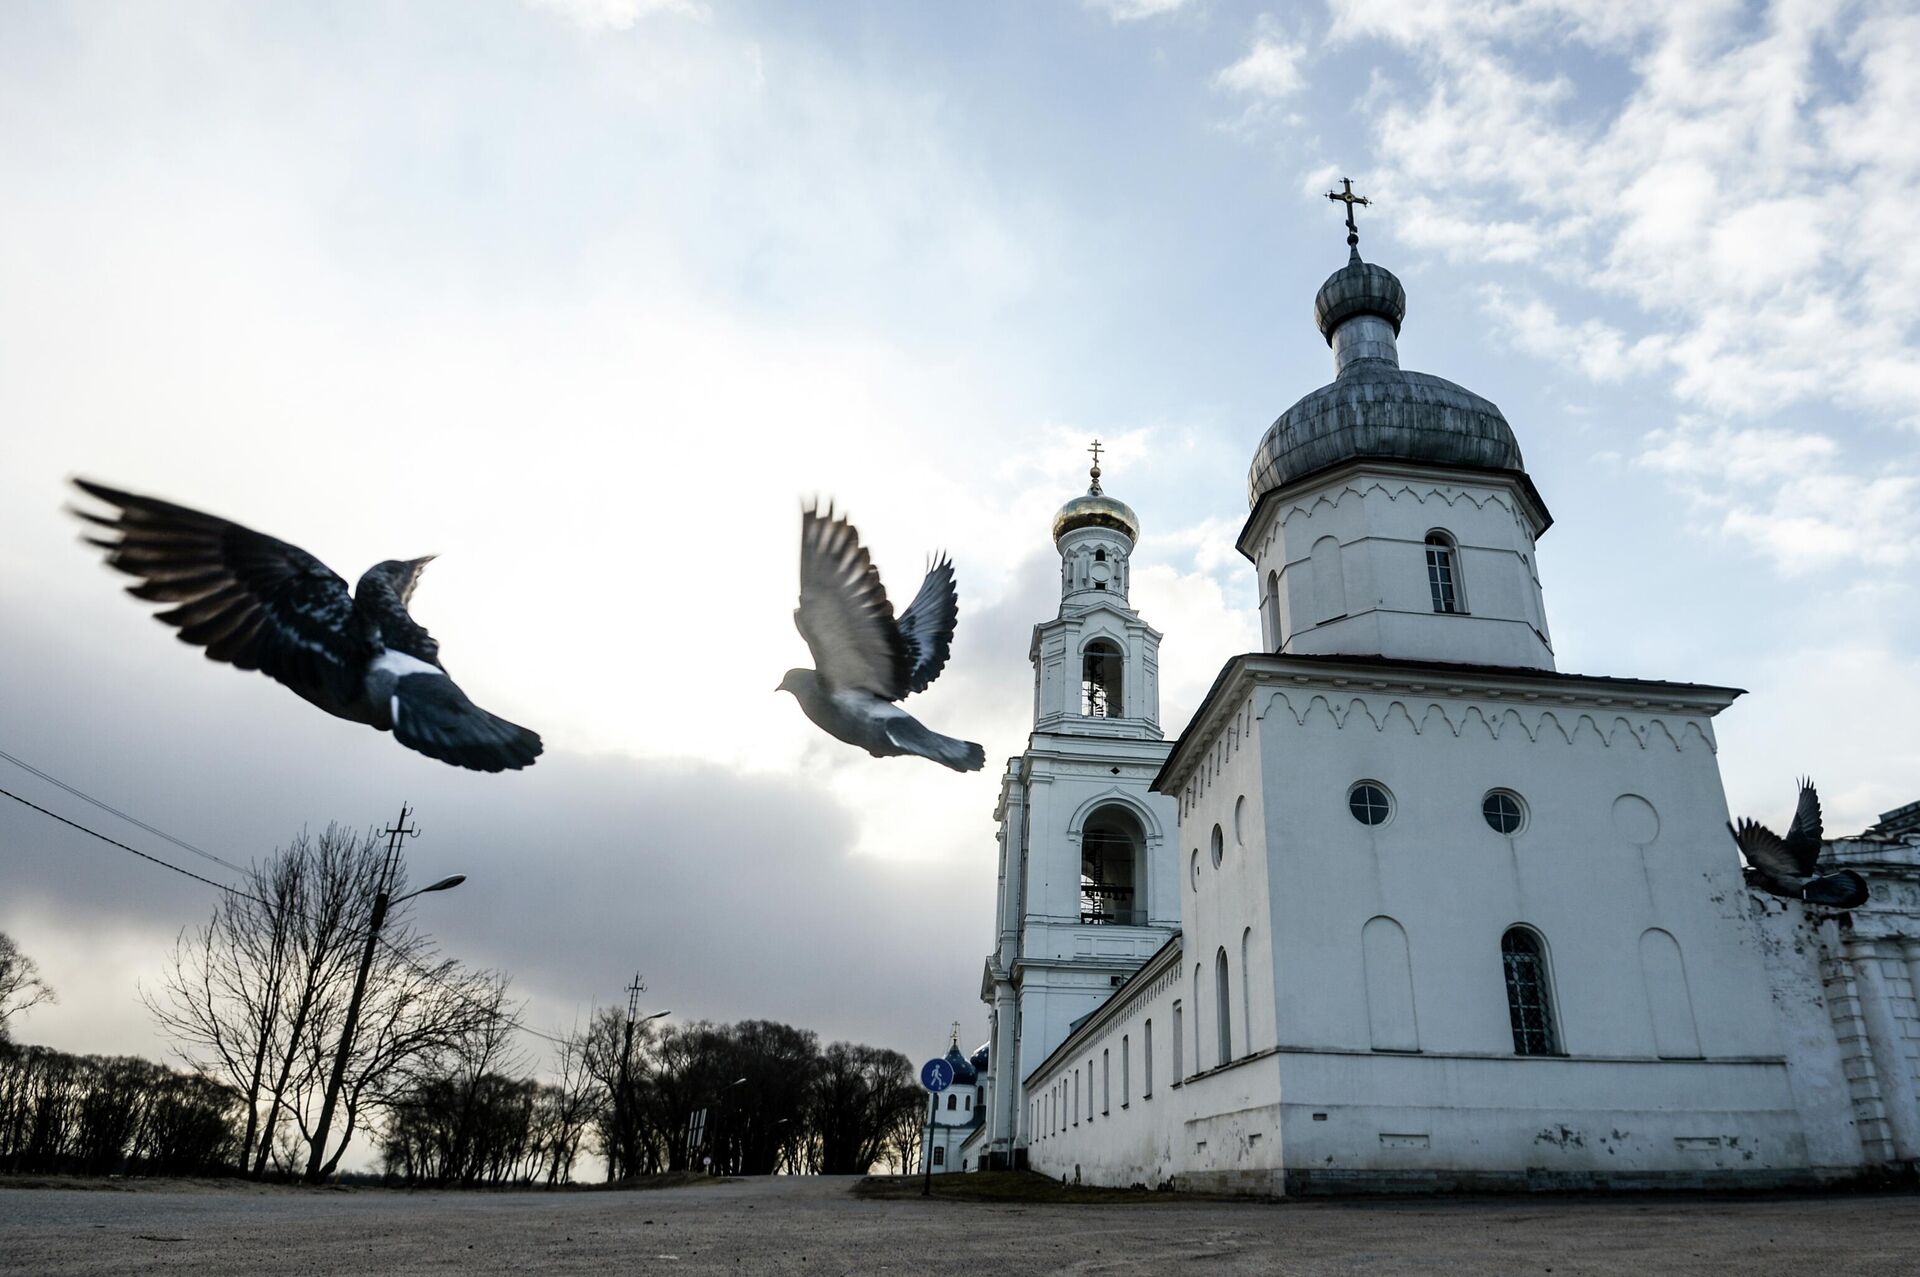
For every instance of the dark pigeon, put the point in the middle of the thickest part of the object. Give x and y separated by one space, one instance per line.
1786 866
261 604
866 660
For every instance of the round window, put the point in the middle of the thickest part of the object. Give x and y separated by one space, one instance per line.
1196 869
1504 811
1219 846
1370 802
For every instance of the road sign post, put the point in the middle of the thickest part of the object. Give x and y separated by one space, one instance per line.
936 1076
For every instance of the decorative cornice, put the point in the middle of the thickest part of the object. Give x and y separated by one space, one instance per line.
1537 703
1303 491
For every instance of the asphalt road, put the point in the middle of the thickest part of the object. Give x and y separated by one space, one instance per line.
815 1226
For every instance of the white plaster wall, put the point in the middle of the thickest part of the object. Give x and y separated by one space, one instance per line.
1380 519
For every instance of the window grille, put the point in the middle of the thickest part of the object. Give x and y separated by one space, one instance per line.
1443 573
1369 803
1503 812
1529 1002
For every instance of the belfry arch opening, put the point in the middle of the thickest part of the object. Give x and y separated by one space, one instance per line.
1113 869
1101 670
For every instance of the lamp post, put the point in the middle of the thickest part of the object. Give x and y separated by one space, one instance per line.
719 1096
316 1159
622 1134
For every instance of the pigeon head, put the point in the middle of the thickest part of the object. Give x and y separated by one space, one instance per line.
797 681
397 575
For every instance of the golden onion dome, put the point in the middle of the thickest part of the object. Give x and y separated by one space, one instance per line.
1096 510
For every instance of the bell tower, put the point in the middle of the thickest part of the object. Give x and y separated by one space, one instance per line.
1088 886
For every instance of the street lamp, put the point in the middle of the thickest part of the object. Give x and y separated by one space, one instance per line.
316 1158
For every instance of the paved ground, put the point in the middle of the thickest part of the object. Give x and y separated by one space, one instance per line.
816 1226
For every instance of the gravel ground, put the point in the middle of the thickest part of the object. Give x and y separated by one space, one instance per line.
817 1226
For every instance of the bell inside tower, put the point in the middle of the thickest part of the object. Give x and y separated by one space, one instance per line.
1110 870
1100 678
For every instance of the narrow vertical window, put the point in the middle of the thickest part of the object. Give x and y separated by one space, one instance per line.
1146 1061
1100 677
1443 572
1529 1001
1126 1070
1246 992
1179 1038
1106 1084
1225 998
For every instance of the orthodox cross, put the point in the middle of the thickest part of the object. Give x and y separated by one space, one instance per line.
1346 196
1095 472
956 1035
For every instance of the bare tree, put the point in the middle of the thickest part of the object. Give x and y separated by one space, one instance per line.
864 1104
256 997
20 984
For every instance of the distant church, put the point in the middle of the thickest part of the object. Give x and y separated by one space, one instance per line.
1405 907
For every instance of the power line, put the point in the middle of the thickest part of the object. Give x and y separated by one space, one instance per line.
115 842
235 891
135 821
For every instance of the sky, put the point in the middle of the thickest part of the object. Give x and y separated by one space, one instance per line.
588 296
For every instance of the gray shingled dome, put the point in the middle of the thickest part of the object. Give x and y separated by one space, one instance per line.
1359 288
1374 408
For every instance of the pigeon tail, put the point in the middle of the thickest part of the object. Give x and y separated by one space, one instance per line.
1843 890
917 738
432 715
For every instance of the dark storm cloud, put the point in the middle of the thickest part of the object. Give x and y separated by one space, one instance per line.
733 892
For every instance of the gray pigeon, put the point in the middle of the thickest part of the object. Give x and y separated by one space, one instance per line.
867 660
1785 866
261 604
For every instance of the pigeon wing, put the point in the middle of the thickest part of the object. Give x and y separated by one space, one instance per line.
1765 850
1805 833
927 625
250 600
844 615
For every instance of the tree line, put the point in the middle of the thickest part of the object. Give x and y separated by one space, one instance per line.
255 1001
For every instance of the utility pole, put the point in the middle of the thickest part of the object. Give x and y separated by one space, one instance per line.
624 1147
397 834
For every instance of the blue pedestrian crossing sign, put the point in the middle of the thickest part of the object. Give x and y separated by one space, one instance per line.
936 1075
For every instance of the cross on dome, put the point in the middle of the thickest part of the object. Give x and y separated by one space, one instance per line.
1346 196
1095 472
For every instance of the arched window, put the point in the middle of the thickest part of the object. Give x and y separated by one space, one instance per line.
1112 869
953 1101
1529 995
1100 675
1225 998
1146 1061
1179 1064
1443 573
1270 609
1246 989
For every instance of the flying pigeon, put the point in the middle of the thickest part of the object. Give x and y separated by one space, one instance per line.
261 604
866 659
1785 866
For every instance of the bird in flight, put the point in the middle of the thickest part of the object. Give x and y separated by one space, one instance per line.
1785 866
260 604
865 659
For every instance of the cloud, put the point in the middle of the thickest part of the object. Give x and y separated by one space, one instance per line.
1270 68
1708 195
1591 346
1134 10
1789 496
617 15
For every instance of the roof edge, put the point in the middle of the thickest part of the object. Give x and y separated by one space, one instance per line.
1707 698
1541 516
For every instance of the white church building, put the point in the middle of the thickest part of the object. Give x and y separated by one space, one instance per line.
1406 907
